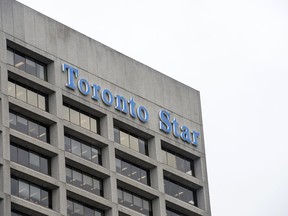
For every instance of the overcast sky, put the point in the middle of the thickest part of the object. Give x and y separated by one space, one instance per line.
236 54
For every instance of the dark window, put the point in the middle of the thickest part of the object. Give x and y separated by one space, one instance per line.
135 202
132 171
170 212
131 141
85 181
30 159
181 192
28 95
31 192
17 213
81 149
27 64
178 162
29 127
75 208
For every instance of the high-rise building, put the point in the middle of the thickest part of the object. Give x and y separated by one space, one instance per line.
86 130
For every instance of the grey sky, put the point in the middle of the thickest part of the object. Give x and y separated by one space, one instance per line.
236 54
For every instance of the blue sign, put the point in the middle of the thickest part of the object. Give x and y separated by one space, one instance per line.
121 104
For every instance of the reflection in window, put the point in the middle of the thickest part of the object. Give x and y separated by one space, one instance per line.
27 64
29 159
85 181
30 192
178 162
80 209
27 95
134 202
131 141
28 127
78 117
81 149
132 171
181 192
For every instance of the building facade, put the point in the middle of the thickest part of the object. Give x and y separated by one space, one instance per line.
86 130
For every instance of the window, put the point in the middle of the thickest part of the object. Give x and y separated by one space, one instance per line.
29 159
75 208
81 149
85 181
181 192
134 202
27 95
170 212
131 141
29 127
27 64
30 192
17 213
178 162
132 171
81 119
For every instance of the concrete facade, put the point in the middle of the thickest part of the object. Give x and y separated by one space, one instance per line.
54 44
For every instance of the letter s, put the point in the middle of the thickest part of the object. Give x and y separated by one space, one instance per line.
164 123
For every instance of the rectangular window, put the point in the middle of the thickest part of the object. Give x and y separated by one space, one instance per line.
75 208
170 212
131 141
134 202
82 149
27 64
29 127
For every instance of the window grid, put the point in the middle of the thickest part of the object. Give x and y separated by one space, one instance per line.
27 64
131 141
27 95
134 202
83 180
29 159
81 119
178 162
83 150
29 127
75 208
132 171
30 192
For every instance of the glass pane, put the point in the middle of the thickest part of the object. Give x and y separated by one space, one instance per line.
116 135
41 102
137 203
22 125
40 71
97 187
142 147
118 165
34 161
45 198
66 114
84 121
21 93
23 190
171 160
88 211
87 183
126 169
69 208
42 134
97 213
23 156
74 116
10 57
78 209
76 147
19 62
34 194
14 187
144 177
44 167
11 89
32 98
93 125
188 167
120 196
67 141
12 120
13 153
124 139
86 152
134 143
135 173
77 178
69 177
95 155
180 164
31 66
33 129
127 198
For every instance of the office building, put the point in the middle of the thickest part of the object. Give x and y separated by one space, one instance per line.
86 130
